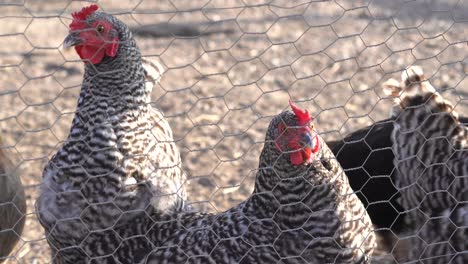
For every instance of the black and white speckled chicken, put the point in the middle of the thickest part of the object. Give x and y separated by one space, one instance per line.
302 209
12 206
431 153
119 155
366 156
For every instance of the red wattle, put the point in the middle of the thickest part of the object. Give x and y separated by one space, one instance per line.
307 153
90 53
303 155
296 158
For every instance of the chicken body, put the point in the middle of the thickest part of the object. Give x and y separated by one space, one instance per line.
12 206
431 153
119 158
303 213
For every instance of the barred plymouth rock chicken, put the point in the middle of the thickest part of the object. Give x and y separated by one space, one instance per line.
12 206
431 157
366 156
302 209
119 155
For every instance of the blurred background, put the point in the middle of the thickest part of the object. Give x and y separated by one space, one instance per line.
229 67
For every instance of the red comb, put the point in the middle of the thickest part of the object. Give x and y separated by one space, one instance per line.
303 116
85 12
79 17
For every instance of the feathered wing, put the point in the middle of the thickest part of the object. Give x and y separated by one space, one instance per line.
153 71
431 154
168 176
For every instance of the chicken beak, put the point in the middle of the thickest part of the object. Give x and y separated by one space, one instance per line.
307 141
71 40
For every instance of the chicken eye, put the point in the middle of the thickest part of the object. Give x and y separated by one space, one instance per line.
100 28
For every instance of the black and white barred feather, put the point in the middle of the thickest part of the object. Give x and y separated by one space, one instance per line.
431 155
119 157
297 214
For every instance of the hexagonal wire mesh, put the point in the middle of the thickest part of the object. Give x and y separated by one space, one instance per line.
229 67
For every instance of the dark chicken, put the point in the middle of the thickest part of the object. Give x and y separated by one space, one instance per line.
366 155
12 206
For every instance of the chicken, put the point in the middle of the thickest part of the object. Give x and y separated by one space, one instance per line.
119 155
302 209
12 207
431 153
367 159
366 156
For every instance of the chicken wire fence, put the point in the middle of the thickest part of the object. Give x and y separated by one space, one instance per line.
228 67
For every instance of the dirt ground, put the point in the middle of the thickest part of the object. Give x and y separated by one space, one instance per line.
230 66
